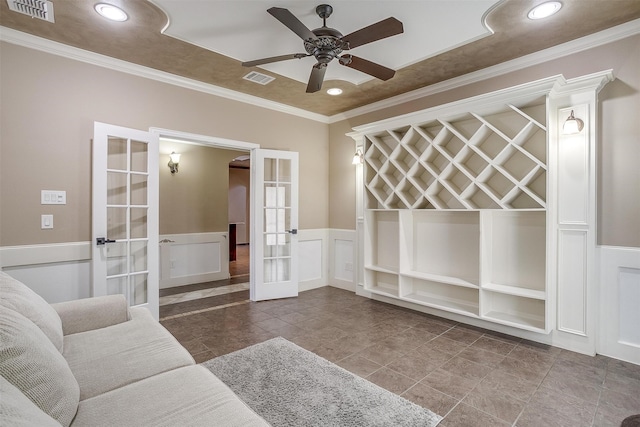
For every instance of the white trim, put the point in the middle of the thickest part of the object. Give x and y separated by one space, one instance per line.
196 139
14 256
27 40
610 35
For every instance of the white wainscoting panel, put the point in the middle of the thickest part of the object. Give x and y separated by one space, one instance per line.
55 282
572 282
629 300
312 258
619 303
186 259
343 263
58 272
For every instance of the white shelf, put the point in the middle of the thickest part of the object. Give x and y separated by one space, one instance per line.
514 248
381 239
512 310
511 290
382 283
443 243
456 281
530 323
443 296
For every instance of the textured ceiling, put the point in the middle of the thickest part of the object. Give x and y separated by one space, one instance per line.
140 41
430 27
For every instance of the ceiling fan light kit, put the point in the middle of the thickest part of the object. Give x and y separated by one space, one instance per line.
326 44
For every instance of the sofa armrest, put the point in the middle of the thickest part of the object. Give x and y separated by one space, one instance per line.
92 313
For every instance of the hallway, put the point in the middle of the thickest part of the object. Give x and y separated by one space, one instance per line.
201 297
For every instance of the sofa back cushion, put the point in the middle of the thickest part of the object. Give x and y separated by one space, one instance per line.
18 297
30 362
17 410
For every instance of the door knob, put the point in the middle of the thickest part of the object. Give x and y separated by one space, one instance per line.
103 240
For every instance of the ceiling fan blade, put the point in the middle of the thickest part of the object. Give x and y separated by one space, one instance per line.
380 30
274 59
316 78
368 67
291 22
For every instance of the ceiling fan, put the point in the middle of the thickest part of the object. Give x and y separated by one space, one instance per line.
326 43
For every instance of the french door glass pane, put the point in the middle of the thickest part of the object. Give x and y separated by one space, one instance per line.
277 170
117 223
270 170
138 156
276 270
279 249
117 285
139 189
116 258
138 223
116 188
139 288
284 170
117 153
138 256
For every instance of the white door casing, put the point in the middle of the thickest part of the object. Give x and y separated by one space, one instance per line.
125 215
274 218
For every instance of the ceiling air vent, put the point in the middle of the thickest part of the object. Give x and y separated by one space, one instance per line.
263 79
40 9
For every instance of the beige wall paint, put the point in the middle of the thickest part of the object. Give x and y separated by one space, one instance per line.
194 200
240 207
49 104
619 143
342 178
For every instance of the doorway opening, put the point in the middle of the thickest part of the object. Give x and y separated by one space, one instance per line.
196 228
239 218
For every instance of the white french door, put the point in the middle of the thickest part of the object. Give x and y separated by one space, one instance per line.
125 215
274 213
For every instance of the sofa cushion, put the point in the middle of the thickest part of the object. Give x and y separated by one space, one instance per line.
17 296
87 314
30 362
17 410
108 358
190 396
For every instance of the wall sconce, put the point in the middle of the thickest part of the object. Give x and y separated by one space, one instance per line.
358 158
572 125
174 159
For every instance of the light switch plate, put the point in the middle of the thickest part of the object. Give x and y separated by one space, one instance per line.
53 197
46 222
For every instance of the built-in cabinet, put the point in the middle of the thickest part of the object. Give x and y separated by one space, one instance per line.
459 208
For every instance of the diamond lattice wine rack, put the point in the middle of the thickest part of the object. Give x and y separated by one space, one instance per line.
492 160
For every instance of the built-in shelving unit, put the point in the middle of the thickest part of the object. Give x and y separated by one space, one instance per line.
455 212
483 209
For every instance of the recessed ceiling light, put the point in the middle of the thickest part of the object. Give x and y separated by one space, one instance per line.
111 12
544 10
334 91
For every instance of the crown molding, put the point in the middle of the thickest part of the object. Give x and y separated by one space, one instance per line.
584 43
55 48
613 34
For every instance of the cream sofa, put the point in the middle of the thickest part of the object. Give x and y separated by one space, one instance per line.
96 362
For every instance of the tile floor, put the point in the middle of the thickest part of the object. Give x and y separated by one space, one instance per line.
470 376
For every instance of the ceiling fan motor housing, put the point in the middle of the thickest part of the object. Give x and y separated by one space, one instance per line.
327 46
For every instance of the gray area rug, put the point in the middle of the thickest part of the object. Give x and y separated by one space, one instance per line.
290 386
